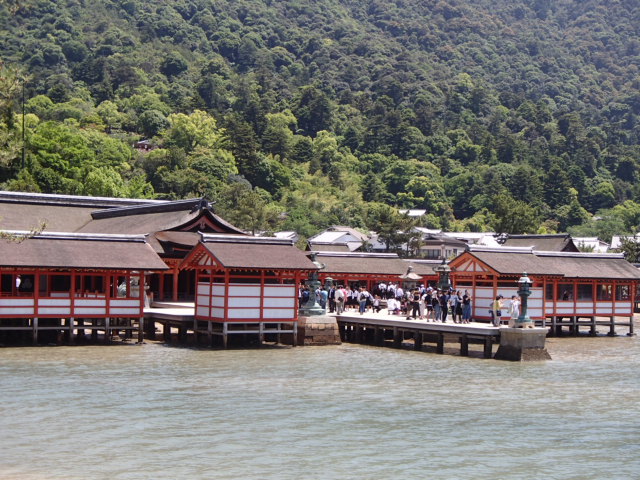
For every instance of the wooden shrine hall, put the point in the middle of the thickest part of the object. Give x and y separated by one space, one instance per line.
570 289
171 227
57 285
247 286
369 269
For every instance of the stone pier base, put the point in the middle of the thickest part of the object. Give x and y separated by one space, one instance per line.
318 330
522 344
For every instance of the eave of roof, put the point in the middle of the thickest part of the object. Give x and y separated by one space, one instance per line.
80 251
339 263
255 253
515 261
72 200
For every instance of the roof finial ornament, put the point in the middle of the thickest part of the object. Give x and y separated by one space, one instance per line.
203 204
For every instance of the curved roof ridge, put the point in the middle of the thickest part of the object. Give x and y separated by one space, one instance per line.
166 206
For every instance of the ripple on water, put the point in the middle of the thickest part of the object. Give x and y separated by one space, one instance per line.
346 412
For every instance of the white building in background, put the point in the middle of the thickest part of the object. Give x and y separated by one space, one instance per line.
487 239
616 240
413 212
287 235
338 238
591 244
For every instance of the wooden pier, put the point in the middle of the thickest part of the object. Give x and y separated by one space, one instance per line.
181 316
556 324
383 330
68 330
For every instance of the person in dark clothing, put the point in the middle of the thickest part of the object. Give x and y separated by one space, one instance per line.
415 305
444 305
332 299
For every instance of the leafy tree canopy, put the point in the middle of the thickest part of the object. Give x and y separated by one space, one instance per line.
511 115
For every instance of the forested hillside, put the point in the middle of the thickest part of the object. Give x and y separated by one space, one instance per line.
507 115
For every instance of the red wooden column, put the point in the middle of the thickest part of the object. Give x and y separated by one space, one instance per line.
175 283
72 304
226 295
142 294
262 284
212 274
297 280
36 294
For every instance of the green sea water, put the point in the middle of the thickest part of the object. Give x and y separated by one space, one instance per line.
342 412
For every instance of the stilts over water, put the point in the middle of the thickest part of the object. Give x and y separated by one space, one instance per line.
114 264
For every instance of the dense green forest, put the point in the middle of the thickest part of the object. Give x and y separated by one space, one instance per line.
507 115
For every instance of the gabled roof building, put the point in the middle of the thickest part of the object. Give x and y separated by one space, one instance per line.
63 283
109 243
565 284
246 282
560 242
337 239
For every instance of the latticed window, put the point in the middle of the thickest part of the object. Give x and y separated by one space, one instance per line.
565 292
585 291
623 292
605 291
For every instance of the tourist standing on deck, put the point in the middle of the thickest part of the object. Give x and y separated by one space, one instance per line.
323 297
414 298
514 310
353 298
427 303
435 301
457 307
466 307
332 299
496 311
363 297
399 293
391 291
339 299
424 298
444 305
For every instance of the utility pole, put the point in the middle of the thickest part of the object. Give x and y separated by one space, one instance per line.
24 144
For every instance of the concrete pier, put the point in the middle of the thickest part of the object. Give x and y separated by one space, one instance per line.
318 330
522 344
382 330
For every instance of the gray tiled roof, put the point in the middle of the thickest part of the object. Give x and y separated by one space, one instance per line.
362 263
257 253
569 265
65 251
550 243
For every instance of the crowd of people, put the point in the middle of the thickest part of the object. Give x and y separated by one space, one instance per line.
420 303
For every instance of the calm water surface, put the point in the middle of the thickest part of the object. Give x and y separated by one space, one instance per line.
345 412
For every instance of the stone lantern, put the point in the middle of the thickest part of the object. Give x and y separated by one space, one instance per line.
524 342
443 270
524 290
410 278
312 307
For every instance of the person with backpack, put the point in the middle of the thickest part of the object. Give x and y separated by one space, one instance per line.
363 298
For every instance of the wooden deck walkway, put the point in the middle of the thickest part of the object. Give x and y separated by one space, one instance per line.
377 328
382 329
